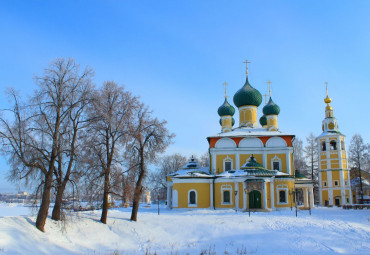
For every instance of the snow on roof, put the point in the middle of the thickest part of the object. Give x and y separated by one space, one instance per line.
246 131
356 181
193 172
330 133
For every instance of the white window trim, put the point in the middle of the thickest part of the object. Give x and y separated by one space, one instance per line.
324 183
196 198
228 159
279 188
226 188
276 159
334 183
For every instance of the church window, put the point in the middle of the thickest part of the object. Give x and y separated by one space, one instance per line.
346 183
228 164
276 163
342 145
226 194
192 198
324 183
336 183
333 145
282 196
323 146
226 191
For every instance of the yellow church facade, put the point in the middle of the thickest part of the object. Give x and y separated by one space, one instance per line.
334 176
250 166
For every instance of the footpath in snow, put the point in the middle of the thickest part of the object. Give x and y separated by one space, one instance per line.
326 231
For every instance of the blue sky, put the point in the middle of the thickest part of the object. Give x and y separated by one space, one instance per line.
176 54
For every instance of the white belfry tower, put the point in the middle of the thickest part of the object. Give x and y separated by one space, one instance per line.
334 178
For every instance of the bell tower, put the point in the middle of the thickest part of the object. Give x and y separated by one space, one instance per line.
334 179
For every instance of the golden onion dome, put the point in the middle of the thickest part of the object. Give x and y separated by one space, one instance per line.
327 100
328 108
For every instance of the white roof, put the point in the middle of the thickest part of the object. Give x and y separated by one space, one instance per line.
246 131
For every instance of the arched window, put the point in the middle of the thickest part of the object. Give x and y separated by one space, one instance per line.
226 196
323 146
342 145
282 196
192 198
333 145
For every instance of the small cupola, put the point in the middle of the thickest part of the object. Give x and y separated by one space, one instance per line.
226 112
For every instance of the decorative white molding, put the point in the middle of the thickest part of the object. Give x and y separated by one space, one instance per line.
225 143
276 142
250 143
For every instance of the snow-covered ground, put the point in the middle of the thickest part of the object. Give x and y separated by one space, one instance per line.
326 231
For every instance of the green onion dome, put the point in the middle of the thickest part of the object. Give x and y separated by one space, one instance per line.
252 164
263 120
247 95
232 121
226 109
271 108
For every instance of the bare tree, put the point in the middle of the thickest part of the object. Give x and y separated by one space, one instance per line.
151 137
358 157
204 160
312 155
166 165
299 160
112 109
32 140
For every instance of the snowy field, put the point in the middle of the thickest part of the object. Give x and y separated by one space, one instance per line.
326 231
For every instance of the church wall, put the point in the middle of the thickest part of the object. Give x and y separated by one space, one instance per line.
268 190
219 188
324 176
241 195
334 164
286 185
220 162
292 168
337 193
202 190
335 177
325 196
282 158
323 165
345 173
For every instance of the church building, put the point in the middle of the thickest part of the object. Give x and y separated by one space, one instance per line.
251 165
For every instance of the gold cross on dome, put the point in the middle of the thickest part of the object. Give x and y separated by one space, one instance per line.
225 84
246 62
326 86
269 83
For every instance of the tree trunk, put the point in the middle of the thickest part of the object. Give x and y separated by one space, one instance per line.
57 210
361 191
104 213
138 189
45 203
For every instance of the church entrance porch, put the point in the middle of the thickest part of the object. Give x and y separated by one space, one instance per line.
255 199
